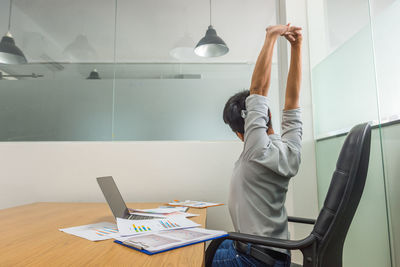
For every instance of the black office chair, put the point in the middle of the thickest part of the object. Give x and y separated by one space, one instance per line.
324 246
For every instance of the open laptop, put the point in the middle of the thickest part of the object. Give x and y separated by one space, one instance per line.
115 200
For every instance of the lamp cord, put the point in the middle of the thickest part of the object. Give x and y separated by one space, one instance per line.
9 16
210 12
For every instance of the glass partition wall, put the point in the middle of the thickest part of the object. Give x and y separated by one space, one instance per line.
126 70
384 15
355 60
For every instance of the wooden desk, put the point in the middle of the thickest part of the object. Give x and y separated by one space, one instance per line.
29 236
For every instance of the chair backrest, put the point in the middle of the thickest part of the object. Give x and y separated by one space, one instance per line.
343 196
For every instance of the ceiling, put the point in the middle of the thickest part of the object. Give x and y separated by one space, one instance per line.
147 31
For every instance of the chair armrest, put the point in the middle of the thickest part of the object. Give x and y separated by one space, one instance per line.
301 220
266 241
272 242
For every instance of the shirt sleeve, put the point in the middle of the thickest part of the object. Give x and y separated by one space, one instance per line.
255 123
292 128
281 154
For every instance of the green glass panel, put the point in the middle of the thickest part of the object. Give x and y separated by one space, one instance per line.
391 149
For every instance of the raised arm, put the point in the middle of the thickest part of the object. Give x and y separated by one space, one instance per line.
261 79
294 77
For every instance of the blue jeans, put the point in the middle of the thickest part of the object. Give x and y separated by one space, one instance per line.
226 255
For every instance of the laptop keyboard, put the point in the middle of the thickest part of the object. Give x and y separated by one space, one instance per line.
140 217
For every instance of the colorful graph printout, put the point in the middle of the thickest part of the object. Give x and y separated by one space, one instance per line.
105 231
133 227
167 224
142 228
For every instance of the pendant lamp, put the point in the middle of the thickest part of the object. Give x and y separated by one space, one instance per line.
211 45
9 52
94 75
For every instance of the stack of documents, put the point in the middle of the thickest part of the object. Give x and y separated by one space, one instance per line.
153 243
162 234
170 231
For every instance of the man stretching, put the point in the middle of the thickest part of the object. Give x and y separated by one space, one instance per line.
268 161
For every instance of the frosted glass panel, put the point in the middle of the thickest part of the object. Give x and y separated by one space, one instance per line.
344 88
152 86
387 55
150 101
172 110
367 242
185 102
344 19
55 110
332 23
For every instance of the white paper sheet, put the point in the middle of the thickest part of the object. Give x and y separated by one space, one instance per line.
94 232
194 204
162 210
184 214
135 227
173 214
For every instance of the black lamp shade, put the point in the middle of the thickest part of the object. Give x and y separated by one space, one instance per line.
211 45
9 52
94 75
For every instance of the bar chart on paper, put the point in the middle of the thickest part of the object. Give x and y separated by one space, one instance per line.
133 227
148 225
167 224
141 228
105 231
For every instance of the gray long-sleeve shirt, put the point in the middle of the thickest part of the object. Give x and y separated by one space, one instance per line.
262 173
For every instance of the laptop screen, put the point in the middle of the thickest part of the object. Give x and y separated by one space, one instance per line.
113 196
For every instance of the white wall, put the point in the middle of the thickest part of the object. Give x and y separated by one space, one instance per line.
144 172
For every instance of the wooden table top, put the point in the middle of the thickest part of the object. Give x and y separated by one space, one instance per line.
29 236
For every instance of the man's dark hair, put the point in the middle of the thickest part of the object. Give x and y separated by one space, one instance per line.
233 111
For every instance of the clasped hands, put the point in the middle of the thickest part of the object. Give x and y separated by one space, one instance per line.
291 33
